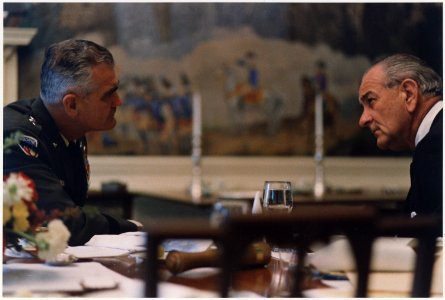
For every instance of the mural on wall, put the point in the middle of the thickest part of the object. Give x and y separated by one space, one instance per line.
256 66
254 101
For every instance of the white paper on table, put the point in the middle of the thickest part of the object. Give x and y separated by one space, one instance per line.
45 278
394 282
167 290
12 252
191 245
336 289
401 282
128 288
343 285
327 293
389 254
171 290
131 241
199 272
385 284
93 251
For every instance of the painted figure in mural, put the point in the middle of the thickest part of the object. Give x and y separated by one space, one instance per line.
136 127
164 115
250 89
177 113
142 116
78 94
244 92
156 116
180 105
402 106
321 78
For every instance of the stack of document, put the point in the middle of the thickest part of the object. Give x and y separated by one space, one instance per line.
108 245
22 278
392 267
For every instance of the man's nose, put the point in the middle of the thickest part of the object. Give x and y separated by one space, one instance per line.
365 119
118 100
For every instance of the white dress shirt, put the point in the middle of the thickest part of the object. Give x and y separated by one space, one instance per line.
425 126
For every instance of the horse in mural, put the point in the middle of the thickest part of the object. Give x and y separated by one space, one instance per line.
243 97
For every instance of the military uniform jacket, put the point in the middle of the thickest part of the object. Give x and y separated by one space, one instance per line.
60 172
425 194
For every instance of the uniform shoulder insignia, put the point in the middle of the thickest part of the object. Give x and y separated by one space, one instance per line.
29 144
32 120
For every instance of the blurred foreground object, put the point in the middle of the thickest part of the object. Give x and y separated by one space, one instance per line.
255 255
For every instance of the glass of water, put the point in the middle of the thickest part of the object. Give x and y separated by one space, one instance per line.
277 197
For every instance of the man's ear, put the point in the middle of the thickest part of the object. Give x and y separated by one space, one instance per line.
410 91
70 104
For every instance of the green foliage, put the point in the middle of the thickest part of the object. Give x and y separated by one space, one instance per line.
12 140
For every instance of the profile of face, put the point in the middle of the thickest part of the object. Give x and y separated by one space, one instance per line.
385 112
97 110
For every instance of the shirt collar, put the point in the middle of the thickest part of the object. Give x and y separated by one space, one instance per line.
65 140
425 126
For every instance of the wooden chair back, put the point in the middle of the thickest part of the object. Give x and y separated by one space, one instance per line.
299 229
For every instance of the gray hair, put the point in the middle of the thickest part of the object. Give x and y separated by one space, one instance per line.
399 67
67 67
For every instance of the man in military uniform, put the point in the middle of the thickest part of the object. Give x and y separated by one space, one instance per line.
78 94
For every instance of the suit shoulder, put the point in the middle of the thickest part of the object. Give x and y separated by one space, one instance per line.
16 117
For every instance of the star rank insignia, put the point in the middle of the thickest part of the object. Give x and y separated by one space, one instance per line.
32 120
29 144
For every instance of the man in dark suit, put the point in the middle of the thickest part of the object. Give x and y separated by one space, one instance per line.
402 106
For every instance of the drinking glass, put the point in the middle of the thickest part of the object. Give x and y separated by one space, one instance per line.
277 199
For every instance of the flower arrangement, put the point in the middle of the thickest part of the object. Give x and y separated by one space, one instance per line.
22 218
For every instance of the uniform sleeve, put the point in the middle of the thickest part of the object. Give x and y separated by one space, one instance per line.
84 224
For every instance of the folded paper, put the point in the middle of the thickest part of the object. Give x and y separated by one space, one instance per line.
389 254
45 278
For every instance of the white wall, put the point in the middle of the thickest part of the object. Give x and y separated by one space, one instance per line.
173 174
